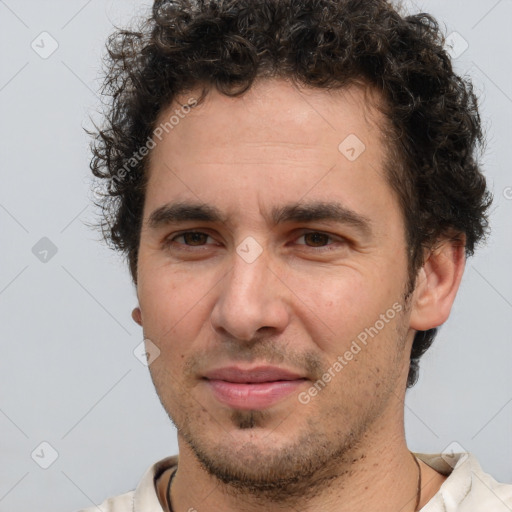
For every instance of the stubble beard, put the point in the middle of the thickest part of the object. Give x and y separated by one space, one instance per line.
294 471
291 472
287 474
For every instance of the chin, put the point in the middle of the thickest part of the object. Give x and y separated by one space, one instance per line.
255 454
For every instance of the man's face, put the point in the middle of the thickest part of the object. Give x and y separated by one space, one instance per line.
259 290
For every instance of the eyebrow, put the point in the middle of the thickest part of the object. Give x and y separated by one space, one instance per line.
296 212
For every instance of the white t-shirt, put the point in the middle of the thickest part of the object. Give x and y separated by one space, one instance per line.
467 488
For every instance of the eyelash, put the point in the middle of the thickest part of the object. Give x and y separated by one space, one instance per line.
170 241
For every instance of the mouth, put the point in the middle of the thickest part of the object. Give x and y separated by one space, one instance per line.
253 388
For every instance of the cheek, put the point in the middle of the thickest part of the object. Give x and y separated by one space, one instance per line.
336 309
168 298
367 364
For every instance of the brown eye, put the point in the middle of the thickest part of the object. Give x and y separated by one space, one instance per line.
320 242
316 239
194 238
189 239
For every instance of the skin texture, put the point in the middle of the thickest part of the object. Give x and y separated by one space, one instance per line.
299 305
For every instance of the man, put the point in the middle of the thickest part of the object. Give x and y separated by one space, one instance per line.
296 188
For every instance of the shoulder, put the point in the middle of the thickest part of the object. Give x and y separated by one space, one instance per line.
468 488
121 503
144 498
488 494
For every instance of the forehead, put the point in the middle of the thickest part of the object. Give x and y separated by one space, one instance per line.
274 145
277 111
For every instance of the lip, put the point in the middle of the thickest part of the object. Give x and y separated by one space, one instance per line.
252 375
253 388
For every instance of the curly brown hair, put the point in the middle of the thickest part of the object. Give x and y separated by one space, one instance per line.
227 44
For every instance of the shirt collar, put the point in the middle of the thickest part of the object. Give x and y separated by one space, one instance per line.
145 498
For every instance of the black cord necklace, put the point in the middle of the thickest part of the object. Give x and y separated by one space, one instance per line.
167 494
418 492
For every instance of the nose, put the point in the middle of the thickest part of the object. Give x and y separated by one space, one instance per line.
252 299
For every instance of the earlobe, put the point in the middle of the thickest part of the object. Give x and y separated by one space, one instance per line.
437 284
137 315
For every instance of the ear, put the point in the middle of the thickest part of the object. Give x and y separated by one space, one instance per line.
437 284
137 315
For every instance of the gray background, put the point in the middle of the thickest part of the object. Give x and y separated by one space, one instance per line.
68 375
